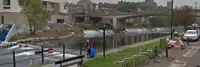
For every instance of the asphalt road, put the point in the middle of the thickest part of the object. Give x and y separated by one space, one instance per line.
22 58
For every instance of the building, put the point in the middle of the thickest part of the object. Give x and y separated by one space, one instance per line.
10 11
86 7
169 4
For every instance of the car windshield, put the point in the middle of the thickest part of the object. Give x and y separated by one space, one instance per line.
190 32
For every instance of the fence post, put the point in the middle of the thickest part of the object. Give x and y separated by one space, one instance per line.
161 42
166 48
145 37
149 37
140 38
42 55
129 39
63 50
14 61
135 38
81 46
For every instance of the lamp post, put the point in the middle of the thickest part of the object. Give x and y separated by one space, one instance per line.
104 39
104 35
172 16
195 11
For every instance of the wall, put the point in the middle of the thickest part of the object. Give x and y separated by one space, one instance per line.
13 17
14 4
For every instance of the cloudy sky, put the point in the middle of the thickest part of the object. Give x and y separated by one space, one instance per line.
177 3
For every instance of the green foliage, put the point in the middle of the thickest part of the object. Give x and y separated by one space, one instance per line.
184 16
111 58
159 21
132 6
36 14
146 25
86 26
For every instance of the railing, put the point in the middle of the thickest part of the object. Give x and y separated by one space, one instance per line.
11 32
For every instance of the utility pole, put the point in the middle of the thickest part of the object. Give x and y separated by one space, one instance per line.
172 16
195 11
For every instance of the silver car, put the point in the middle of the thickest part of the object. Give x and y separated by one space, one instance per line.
191 35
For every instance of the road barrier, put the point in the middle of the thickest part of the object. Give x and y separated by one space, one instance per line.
69 61
41 56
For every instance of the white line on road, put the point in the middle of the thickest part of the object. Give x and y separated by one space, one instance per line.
61 54
25 53
178 63
191 52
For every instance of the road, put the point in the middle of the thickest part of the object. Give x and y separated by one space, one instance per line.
22 58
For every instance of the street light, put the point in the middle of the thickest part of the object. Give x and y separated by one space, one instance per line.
172 13
195 11
104 39
104 34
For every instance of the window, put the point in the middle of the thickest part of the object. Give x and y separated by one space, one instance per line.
60 20
65 6
6 2
44 3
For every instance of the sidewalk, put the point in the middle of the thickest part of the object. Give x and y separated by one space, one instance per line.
179 61
116 50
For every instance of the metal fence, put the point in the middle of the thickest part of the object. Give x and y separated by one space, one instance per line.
31 57
115 41
145 56
121 39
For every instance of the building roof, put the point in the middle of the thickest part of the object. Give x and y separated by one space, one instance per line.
56 1
106 5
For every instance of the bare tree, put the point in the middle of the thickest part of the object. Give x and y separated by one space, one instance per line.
184 16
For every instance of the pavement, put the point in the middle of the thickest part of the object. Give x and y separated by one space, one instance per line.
190 57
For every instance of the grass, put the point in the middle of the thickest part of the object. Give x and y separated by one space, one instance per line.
111 58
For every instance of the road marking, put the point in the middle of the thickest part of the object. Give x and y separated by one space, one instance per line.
61 54
13 47
178 63
25 53
191 52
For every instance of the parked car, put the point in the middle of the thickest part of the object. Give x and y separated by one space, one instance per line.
191 35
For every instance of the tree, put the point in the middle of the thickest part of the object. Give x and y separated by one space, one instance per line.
184 16
146 25
36 14
159 21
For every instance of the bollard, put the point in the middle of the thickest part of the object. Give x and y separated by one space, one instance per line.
14 61
63 50
42 55
166 48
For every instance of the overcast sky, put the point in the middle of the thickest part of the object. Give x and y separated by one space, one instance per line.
159 2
